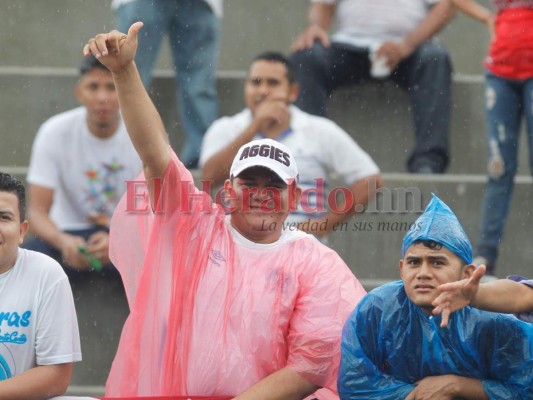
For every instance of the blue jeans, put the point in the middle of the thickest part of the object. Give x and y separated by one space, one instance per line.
425 75
506 101
193 31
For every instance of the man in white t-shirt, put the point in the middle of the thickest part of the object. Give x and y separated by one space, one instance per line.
39 339
320 147
399 36
79 165
221 305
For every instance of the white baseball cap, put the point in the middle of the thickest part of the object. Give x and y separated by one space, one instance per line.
269 154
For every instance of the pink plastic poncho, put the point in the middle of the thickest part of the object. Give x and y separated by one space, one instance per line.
213 313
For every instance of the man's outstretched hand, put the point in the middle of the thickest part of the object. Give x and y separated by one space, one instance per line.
114 49
456 295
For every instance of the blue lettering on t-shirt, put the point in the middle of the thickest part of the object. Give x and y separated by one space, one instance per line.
13 319
25 321
12 337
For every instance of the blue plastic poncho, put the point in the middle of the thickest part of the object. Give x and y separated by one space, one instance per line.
439 223
389 343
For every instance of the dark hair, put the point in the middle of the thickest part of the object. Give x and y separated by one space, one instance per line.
10 184
274 56
430 244
89 63
433 245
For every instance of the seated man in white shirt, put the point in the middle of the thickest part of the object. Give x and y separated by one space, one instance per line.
320 147
80 161
39 339
377 40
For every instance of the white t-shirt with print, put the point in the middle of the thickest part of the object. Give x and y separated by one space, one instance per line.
320 148
88 174
38 324
367 23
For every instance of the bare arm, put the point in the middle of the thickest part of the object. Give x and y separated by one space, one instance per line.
448 387
216 169
284 384
438 16
117 51
361 195
319 21
41 382
504 296
39 204
474 10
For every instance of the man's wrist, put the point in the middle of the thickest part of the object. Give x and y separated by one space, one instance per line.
409 47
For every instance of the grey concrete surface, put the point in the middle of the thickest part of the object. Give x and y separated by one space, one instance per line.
102 309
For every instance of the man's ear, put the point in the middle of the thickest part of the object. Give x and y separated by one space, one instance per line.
468 270
228 184
294 91
24 227
400 265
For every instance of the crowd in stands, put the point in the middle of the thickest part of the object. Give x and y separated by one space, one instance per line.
237 295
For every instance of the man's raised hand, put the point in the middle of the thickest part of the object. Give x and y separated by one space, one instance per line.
114 49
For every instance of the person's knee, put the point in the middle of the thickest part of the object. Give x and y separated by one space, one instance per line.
310 58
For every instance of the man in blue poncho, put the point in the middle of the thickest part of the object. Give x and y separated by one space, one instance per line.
393 347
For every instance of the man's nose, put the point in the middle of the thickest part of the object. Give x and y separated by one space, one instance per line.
265 191
424 270
102 95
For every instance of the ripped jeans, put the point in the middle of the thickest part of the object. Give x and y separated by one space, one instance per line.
506 101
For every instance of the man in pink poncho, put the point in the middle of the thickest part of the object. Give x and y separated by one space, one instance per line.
221 305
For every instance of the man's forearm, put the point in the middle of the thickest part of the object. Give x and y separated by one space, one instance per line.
470 389
321 14
284 384
143 123
39 383
504 296
43 227
361 191
437 18
216 169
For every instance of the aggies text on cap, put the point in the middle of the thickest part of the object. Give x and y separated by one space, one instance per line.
269 154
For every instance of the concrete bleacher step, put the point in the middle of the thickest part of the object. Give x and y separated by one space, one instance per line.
377 116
